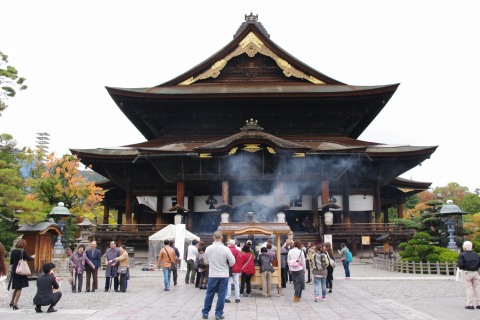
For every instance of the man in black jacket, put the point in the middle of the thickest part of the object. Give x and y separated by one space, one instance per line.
45 284
469 262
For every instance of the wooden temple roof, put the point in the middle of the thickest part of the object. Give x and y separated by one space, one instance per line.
252 77
306 114
184 145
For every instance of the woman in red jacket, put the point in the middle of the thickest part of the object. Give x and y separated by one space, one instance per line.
248 269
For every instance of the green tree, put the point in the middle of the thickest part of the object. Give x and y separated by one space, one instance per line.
470 203
15 206
421 249
411 201
10 81
452 191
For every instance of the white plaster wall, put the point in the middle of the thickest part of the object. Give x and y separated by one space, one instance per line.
199 204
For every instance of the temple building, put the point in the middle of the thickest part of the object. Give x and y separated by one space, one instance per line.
252 129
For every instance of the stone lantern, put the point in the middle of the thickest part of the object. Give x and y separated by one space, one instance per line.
59 214
85 231
452 216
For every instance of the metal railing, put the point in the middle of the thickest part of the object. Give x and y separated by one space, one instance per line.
368 228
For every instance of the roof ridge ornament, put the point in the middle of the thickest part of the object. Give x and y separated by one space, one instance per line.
251 125
251 17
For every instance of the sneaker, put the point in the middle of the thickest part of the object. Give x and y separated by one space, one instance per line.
237 300
51 309
330 291
205 316
38 309
219 317
316 298
323 298
227 300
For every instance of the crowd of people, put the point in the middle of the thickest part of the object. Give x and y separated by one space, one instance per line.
227 269
48 284
217 268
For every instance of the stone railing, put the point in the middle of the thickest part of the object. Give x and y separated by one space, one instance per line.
439 268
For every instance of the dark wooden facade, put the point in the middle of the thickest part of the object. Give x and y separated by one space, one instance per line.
306 146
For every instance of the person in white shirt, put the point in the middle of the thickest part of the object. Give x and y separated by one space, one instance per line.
220 258
192 253
296 263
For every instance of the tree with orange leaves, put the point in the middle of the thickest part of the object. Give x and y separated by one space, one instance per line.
59 180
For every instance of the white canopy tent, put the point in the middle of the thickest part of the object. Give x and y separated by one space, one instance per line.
176 232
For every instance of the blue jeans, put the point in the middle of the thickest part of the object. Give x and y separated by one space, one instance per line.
316 283
346 267
166 277
215 284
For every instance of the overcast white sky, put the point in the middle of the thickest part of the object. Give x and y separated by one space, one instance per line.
70 51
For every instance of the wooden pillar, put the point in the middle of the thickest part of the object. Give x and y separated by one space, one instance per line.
136 210
180 193
106 210
325 191
128 207
400 210
346 206
189 214
225 192
120 217
377 204
315 210
385 214
159 217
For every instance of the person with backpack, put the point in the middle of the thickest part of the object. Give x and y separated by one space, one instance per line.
331 266
202 265
319 269
346 257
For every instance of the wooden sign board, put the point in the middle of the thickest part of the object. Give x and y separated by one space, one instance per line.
365 240
327 238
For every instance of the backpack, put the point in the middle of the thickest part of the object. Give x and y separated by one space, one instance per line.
318 264
201 263
349 256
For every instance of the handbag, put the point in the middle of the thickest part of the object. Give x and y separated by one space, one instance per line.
295 263
331 262
22 268
249 258
122 270
459 275
173 265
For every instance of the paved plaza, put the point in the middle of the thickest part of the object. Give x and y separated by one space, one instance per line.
372 294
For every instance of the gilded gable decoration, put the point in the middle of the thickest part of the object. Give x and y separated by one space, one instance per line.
251 45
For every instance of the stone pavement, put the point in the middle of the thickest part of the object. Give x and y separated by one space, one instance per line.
185 302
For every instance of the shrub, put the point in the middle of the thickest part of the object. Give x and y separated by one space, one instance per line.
433 257
448 256
476 246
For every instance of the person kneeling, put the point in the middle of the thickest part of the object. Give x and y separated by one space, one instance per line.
45 285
